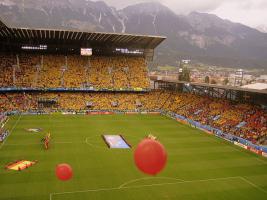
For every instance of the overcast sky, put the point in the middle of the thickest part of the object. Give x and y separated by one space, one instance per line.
250 12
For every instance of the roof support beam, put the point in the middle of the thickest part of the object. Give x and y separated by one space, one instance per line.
90 36
82 33
107 37
77 33
94 35
74 35
99 36
77 38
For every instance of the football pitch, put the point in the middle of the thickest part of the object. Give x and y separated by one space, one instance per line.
199 166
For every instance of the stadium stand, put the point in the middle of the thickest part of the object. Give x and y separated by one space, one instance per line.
243 120
6 74
74 71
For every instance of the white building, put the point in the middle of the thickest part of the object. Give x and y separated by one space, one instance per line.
256 86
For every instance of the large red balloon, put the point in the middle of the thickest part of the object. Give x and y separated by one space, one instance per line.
150 156
64 172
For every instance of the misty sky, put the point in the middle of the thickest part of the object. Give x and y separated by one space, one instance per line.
250 12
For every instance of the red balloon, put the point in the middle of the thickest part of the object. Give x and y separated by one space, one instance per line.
150 156
64 172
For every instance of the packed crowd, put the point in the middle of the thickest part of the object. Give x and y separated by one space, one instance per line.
76 101
3 118
6 69
244 120
72 71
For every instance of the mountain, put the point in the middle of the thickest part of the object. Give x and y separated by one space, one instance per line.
198 36
262 28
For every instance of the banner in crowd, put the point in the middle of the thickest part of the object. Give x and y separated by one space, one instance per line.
153 113
100 113
68 113
131 113
241 145
255 150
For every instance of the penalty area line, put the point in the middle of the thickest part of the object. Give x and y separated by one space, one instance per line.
142 186
150 178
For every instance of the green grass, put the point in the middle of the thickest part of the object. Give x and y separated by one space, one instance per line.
199 166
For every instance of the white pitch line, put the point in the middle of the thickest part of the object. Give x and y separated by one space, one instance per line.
244 151
5 123
253 184
26 144
13 127
148 178
141 186
262 161
94 145
247 152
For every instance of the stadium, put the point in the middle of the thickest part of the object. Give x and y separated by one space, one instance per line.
85 98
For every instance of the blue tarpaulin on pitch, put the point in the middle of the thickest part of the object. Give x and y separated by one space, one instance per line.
116 141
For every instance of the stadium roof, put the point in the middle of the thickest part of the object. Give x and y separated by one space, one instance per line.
2 24
74 37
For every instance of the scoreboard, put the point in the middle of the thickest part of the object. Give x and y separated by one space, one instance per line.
86 51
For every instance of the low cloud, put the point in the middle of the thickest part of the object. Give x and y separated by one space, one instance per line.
249 12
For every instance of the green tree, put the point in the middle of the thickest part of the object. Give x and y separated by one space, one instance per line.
186 75
207 79
225 81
